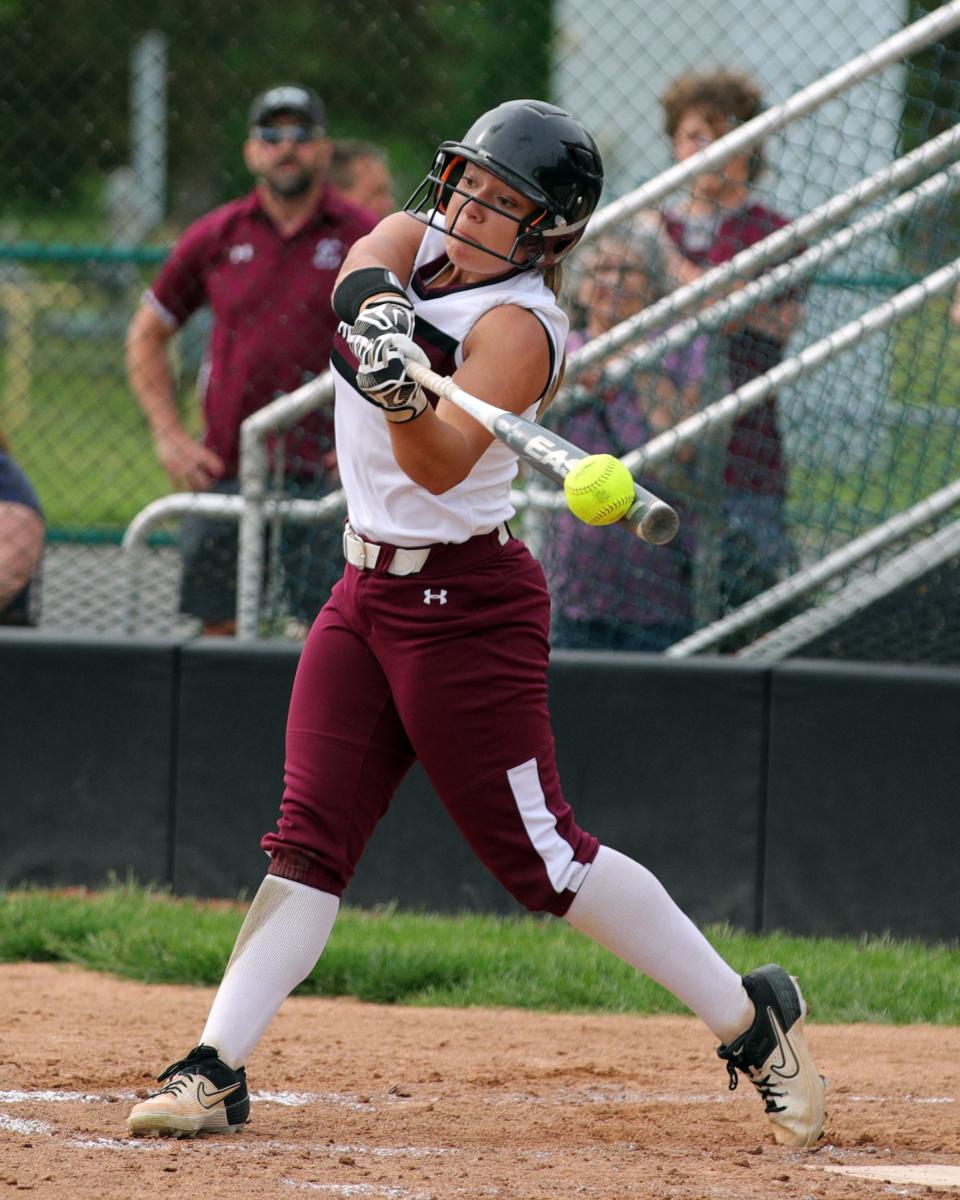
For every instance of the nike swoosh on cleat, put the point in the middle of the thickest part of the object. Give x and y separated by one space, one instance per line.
787 1054
209 1099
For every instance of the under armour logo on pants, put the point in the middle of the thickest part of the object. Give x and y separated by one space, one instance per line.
429 597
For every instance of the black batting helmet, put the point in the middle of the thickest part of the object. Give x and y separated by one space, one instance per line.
541 151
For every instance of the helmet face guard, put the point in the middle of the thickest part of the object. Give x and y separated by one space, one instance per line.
431 201
538 150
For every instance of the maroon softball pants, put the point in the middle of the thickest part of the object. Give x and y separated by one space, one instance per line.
447 666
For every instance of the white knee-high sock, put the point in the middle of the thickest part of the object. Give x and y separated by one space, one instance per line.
625 908
282 936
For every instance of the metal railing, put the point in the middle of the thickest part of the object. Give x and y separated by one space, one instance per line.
829 568
202 504
664 312
913 563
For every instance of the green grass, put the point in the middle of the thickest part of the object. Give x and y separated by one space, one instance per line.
82 439
406 958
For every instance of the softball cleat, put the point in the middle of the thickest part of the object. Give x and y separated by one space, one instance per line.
773 1054
201 1095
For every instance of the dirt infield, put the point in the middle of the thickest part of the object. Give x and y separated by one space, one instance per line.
358 1100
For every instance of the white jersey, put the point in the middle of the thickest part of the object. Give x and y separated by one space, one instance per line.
383 503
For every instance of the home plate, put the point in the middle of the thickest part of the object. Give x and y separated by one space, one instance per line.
930 1174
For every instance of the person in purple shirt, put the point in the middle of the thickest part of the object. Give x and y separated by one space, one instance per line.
625 594
720 216
265 264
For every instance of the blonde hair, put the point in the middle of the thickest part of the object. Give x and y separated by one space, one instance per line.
553 278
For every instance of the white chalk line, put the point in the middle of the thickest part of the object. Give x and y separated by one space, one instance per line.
928 1174
357 1189
596 1094
22 1126
53 1097
931 1175
17 1125
287 1099
385 1191
305 1099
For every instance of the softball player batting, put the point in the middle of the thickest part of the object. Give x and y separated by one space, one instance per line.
436 636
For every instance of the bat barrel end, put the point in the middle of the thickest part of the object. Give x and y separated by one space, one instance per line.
658 524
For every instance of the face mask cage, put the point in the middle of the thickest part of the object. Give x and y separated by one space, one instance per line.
430 201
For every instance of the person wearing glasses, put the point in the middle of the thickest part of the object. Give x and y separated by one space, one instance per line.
265 264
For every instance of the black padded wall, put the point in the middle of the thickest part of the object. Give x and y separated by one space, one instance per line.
665 762
87 755
232 708
863 820
814 797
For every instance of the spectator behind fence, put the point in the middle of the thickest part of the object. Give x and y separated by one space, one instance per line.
609 591
21 540
265 264
359 171
721 216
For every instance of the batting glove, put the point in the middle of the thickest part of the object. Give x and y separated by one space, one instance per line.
383 379
393 316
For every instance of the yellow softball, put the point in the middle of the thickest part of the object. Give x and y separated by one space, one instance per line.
599 489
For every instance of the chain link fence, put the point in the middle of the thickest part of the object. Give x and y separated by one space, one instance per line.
122 150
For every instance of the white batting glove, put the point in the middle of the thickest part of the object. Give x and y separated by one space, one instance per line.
383 379
382 317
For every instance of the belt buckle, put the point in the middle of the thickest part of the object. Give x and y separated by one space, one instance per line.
359 553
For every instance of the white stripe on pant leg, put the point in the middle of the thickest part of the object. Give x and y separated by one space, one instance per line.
541 826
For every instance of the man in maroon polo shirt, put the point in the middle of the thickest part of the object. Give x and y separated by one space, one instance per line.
265 264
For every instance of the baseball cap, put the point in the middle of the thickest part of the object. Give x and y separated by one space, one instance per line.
291 98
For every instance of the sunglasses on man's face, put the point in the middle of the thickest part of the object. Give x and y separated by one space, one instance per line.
273 135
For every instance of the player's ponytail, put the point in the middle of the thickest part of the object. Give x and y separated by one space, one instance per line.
553 277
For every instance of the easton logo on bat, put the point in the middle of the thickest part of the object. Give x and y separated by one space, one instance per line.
538 446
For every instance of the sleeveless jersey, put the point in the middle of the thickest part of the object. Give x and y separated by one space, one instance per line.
383 503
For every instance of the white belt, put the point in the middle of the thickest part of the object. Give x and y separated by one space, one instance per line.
364 555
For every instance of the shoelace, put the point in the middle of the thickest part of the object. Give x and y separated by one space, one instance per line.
763 1086
178 1083
183 1066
